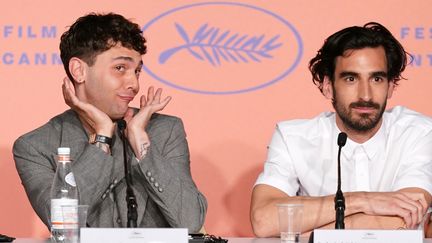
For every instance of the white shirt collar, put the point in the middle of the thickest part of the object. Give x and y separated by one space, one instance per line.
370 147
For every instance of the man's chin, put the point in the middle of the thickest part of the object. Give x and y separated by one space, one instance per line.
363 125
364 117
117 116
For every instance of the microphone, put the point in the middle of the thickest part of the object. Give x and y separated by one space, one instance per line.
121 124
132 214
339 198
342 138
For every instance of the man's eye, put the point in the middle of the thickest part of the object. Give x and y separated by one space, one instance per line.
350 79
378 79
120 68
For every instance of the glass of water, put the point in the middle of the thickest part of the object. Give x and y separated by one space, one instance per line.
290 222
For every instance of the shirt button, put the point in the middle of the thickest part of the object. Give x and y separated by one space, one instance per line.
104 196
148 173
152 179
115 181
160 189
111 186
156 184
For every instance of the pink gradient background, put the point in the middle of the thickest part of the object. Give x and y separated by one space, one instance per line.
227 134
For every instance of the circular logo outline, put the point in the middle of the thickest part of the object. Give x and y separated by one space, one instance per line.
238 91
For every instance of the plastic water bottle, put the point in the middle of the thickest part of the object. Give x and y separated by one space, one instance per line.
63 193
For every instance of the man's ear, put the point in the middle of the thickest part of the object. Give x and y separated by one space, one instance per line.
78 69
327 88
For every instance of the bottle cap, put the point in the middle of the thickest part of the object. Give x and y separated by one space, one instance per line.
63 150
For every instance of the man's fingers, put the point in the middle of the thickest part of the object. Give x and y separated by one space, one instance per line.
150 94
406 215
67 92
129 114
419 198
143 101
154 99
414 208
158 95
166 101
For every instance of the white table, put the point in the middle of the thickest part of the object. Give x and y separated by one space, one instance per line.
230 240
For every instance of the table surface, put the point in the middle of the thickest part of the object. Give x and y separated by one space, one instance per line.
230 240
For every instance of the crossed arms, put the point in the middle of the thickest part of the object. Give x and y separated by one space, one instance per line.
404 208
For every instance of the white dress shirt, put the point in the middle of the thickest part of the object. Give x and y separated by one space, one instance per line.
302 156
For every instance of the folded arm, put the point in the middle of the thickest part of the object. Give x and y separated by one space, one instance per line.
383 210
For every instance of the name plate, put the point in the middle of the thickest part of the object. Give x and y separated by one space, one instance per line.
368 236
126 235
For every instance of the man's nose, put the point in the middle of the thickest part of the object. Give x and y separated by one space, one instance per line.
364 90
133 83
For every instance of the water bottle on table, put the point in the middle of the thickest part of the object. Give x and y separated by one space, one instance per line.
63 193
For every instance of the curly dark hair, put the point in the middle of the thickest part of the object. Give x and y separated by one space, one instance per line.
95 33
353 38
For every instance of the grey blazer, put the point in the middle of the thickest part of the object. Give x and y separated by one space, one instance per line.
165 192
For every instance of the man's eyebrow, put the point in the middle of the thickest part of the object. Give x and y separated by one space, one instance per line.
348 73
379 74
126 58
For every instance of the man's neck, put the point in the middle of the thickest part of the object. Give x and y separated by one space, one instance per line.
355 135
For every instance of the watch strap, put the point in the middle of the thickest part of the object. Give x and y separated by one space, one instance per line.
94 138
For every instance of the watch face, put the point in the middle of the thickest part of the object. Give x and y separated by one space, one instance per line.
103 139
94 138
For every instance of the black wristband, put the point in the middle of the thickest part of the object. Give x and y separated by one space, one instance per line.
94 138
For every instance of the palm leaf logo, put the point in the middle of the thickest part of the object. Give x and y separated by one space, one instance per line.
213 45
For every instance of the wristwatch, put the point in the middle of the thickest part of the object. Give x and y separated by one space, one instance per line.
94 138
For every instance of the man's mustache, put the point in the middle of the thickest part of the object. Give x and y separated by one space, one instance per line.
363 103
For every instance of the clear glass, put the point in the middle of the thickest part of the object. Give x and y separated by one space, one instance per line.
290 222
75 218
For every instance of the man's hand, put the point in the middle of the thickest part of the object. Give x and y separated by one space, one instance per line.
93 119
136 134
411 206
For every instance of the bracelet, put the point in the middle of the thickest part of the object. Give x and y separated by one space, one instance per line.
94 138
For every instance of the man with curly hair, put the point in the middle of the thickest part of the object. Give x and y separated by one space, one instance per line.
101 54
386 164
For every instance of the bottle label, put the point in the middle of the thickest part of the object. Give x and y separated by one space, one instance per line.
70 179
64 213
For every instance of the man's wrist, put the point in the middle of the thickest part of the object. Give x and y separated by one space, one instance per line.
143 149
97 138
107 130
354 202
105 147
140 143
102 142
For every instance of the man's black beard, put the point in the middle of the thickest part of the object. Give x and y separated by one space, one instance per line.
366 122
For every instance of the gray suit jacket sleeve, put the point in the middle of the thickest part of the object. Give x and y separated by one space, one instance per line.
36 172
166 169
35 160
